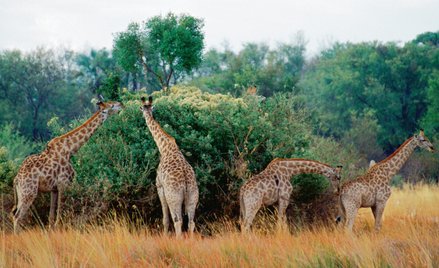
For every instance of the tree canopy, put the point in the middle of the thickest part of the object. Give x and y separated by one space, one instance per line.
165 47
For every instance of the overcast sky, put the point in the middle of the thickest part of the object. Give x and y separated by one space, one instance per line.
81 24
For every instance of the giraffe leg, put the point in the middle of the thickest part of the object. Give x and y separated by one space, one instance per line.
175 203
53 206
378 211
176 213
350 209
165 209
24 201
64 181
351 213
250 213
283 204
191 205
59 207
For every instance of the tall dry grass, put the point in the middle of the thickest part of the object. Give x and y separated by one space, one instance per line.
409 238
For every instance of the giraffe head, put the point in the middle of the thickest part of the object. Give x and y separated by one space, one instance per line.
109 107
334 175
422 141
147 107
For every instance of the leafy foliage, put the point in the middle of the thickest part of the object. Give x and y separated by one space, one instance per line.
384 81
17 146
13 149
165 47
34 86
8 169
225 139
270 71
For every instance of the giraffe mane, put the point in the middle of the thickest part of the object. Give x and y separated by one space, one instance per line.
294 159
164 132
74 130
395 152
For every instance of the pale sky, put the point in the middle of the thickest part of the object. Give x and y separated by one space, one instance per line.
81 24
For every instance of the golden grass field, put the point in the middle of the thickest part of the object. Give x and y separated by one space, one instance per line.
409 238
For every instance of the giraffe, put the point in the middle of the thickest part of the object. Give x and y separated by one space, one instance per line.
373 188
273 185
175 181
51 170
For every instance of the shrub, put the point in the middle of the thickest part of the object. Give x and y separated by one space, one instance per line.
13 149
225 139
17 146
8 169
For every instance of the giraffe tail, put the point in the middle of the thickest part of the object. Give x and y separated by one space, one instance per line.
341 211
185 198
241 208
14 208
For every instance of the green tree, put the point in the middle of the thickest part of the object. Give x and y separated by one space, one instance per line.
165 47
385 80
431 120
428 38
36 77
111 87
38 84
95 67
256 65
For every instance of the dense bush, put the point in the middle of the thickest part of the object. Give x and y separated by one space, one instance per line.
8 169
225 139
13 149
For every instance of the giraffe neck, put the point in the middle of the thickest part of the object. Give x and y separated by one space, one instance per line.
293 166
161 138
70 142
393 163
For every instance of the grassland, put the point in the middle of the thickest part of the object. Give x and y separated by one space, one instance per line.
409 238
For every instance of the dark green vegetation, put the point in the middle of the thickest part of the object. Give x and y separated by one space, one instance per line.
231 112
160 49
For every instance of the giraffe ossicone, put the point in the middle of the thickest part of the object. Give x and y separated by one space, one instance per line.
51 170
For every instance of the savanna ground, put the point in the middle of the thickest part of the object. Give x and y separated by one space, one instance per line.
409 238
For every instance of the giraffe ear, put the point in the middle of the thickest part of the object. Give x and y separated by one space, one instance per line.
421 132
150 100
